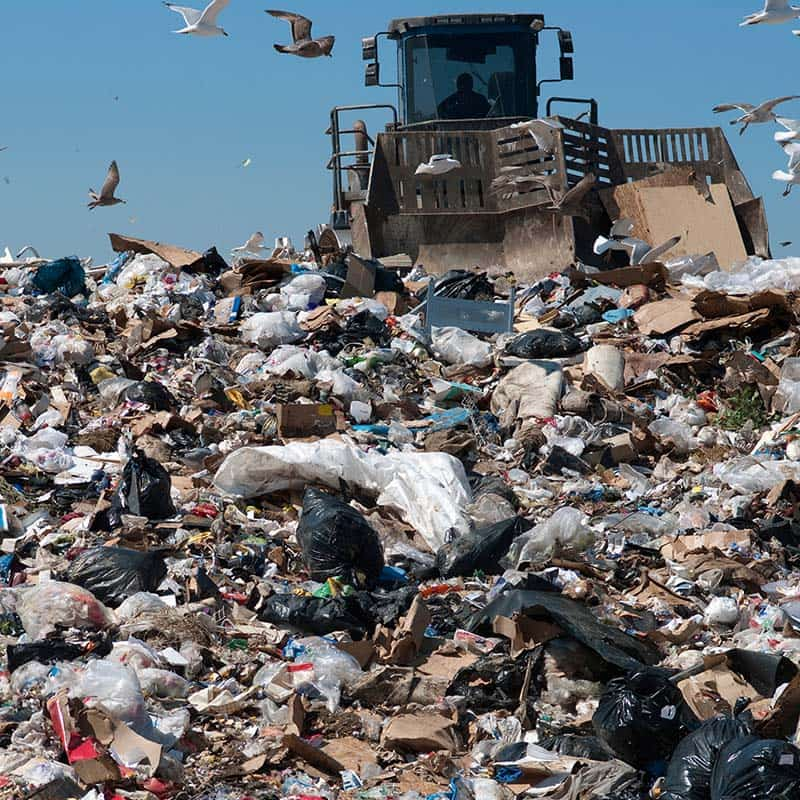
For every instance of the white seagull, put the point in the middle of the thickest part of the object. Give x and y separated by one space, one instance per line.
201 23
792 149
754 114
775 12
789 178
438 165
255 244
792 132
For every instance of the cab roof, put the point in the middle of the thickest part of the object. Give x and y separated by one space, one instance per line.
397 27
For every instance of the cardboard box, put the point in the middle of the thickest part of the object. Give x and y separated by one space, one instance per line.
305 419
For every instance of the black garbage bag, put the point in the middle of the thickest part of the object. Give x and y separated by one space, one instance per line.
543 343
569 744
151 393
617 648
317 615
144 490
113 574
65 275
493 683
50 651
642 717
213 262
337 541
689 772
464 285
481 549
756 769
365 325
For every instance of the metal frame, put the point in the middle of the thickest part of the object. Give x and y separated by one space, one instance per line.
338 155
469 315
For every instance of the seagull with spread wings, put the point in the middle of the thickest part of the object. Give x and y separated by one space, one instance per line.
754 114
775 12
302 43
106 196
201 23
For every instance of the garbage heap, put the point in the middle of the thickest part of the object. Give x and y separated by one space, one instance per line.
310 526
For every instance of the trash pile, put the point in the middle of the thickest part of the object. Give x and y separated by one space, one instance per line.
308 526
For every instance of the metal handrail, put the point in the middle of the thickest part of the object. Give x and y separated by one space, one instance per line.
337 154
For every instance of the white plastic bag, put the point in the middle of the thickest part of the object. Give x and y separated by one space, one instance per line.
429 489
45 605
566 531
456 346
304 291
115 688
271 329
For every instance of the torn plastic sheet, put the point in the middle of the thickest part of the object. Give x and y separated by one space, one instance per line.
430 490
613 646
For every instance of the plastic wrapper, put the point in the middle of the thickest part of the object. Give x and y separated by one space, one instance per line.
139 603
134 654
52 604
642 717
150 393
566 531
722 611
115 688
543 343
457 346
676 434
756 768
480 549
144 490
337 541
430 490
163 683
689 773
271 329
304 291
749 474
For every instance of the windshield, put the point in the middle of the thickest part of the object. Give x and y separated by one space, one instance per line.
470 76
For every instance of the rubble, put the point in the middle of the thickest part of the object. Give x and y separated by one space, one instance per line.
266 538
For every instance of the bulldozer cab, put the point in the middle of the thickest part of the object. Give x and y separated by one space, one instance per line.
466 72
468 86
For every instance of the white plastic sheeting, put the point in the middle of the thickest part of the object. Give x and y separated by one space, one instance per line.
430 490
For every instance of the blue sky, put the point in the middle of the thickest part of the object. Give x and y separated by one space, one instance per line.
189 111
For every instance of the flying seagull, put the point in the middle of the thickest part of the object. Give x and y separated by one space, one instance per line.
303 45
201 23
774 13
789 178
255 244
438 165
792 132
792 149
570 204
754 114
106 196
520 180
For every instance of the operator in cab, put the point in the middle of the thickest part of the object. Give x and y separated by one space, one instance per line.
465 103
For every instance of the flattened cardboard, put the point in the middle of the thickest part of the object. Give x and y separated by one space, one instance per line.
665 316
420 733
296 420
178 257
524 632
311 755
660 212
